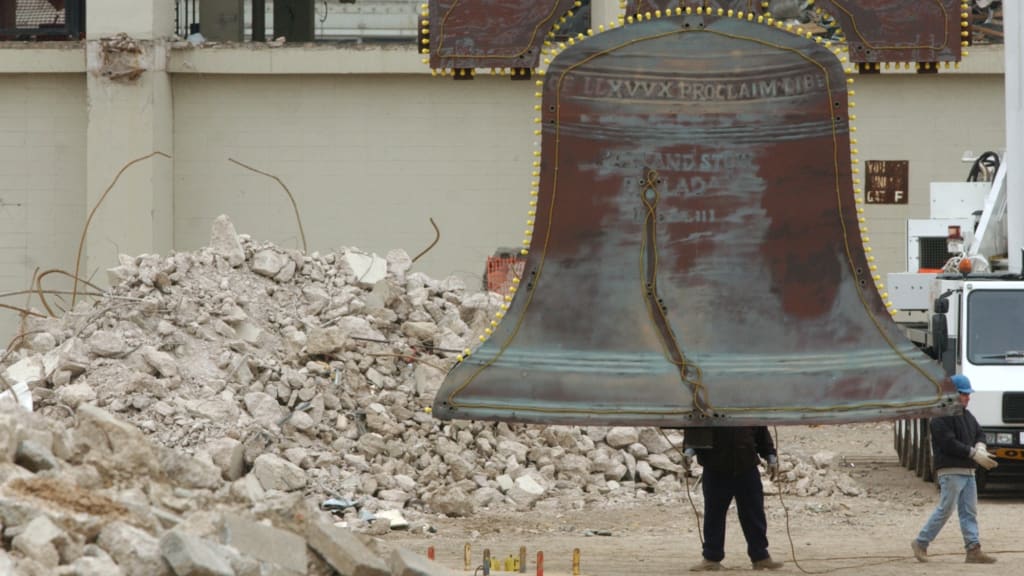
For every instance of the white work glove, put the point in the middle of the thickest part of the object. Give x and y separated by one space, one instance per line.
982 457
689 456
773 466
981 446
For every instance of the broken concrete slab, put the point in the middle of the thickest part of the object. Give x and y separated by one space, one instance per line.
405 562
266 543
342 549
276 473
113 443
368 269
192 556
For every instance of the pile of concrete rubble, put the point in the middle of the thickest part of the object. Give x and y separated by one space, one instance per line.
247 409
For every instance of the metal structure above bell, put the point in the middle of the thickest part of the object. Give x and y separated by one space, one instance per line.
696 256
460 36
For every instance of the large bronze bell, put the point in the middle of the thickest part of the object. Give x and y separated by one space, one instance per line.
697 256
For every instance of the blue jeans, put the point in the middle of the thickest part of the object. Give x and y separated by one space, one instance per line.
962 491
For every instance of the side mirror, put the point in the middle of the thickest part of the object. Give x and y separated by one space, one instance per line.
941 305
940 334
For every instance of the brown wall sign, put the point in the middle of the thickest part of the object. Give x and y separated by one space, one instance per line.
886 181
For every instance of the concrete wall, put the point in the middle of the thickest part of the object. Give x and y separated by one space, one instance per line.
370 145
929 121
369 159
42 190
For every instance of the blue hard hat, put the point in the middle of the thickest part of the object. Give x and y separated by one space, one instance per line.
962 383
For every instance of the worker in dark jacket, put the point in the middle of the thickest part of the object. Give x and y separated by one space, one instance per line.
730 457
958 448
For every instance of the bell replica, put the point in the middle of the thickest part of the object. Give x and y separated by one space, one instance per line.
697 255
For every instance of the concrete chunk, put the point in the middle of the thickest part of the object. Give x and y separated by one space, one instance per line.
113 443
407 563
265 543
74 395
6 563
622 436
268 262
71 357
187 471
37 541
343 550
29 370
8 437
224 241
395 519
325 340
526 491
229 455
90 566
368 269
191 556
35 457
134 550
263 408
276 473
165 364
106 343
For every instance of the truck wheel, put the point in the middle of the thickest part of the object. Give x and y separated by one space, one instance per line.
924 468
912 446
905 443
897 440
924 451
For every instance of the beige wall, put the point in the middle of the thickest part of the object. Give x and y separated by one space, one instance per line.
42 172
929 121
372 146
369 160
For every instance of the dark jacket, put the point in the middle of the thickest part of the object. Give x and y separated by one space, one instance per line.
735 450
952 440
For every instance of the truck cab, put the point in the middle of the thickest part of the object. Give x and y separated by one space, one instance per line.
991 354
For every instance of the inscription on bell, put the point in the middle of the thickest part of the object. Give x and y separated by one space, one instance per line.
701 90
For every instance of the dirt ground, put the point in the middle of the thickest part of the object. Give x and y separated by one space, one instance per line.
863 535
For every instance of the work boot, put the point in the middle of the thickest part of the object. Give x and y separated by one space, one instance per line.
976 556
767 564
706 566
920 550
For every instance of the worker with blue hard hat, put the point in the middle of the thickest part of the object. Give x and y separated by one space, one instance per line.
958 448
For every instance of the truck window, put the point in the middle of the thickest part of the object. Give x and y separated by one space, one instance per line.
995 327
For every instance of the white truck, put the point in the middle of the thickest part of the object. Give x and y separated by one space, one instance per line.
962 302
